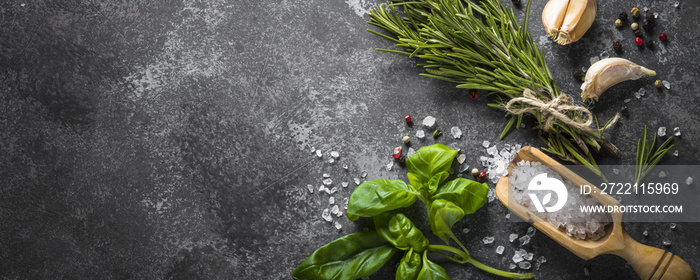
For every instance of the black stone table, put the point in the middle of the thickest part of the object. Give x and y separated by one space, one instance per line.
172 139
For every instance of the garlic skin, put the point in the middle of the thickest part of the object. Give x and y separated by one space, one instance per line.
609 72
567 20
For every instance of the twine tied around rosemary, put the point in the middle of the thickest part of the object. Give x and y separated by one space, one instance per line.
554 111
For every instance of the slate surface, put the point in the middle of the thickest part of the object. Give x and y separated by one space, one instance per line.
172 139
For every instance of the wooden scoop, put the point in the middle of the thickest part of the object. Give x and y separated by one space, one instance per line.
650 263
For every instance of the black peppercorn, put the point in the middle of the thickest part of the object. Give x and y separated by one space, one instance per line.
648 26
638 33
578 74
625 111
650 17
401 159
649 44
623 16
617 46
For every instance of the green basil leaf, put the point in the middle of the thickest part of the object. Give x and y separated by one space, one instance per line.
374 197
467 194
442 216
353 256
429 161
417 184
432 271
400 231
436 180
352 217
410 266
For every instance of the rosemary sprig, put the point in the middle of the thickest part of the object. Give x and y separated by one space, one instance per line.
480 45
649 155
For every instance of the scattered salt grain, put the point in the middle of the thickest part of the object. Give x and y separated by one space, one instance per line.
331 161
689 181
500 249
616 171
461 158
345 184
512 266
429 122
357 180
542 259
363 174
524 265
327 181
333 190
313 150
390 165
345 166
667 85
586 272
508 217
335 209
338 226
524 240
488 239
327 215
345 203
675 153
518 256
666 242
420 134
491 196
465 230
410 152
645 233
627 100
528 256
662 174
486 144
672 225
531 231
676 4
331 200
335 154
319 153
662 131
326 175
456 132
321 188
311 188
677 131
327 190
512 237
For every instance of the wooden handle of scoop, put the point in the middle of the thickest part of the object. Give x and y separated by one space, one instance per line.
652 263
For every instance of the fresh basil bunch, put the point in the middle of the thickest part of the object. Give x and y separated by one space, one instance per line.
358 255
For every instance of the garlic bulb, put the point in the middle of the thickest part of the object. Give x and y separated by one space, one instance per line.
567 20
609 72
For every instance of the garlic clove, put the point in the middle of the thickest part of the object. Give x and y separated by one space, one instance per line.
553 16
567 20
609 72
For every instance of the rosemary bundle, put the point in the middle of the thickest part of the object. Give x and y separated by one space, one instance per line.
480 45
649 155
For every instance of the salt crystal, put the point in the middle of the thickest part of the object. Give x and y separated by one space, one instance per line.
645 233
326 175
321 188
676 4
338 226
646 9
500 249
642 91
616 171
331 161
345 203
531 231
327 190
656 15
327 181
662 174
357 180
542 259
363 174
429 121
335 154
492 151
518 257
512 237
345 166
637 95
345 184
461 158
524 265
456 132
675 153
319 153
627 100
604 55
465 230
666 242
512 266
311 188
340 213
335 209
667 85
488 239
389 165
689 180
463 168
594 59
585 271
672 225
491 196
486 144
331 200
508 217
677 131
662 131
313 150
327 215
333 190
524 240
522 125
410 152
528 256
420 134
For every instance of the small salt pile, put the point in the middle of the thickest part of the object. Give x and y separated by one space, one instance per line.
576 223
497 163
519 256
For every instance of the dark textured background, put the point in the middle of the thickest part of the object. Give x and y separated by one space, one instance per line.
172 139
